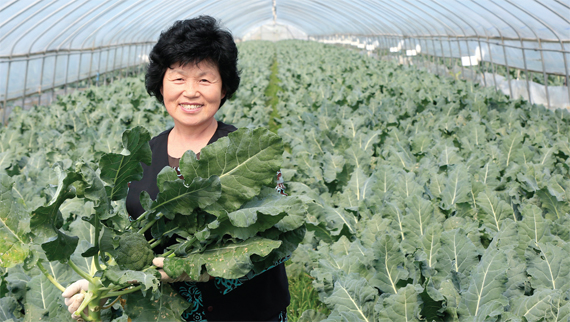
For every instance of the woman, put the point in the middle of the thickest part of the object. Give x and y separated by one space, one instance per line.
192 71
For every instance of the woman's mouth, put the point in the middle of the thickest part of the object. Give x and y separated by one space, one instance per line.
190 107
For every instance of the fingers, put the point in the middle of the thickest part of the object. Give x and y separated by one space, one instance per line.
164 277
75 288
74 302
158 262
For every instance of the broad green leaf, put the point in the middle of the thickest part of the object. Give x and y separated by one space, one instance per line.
419 214
46 221
353 299
532 177
385 179
509 146
447 155
434 260
395 213
257 215
43 298
167 307
404 306
421 142
149 279
484 296
231 260
180 197
357 189
550 268
407 185
9 309
533 225
14 226
332 165
452 299
456 189
119 169
401 157
473 135
494 210
6 159
488 175
460 250
244 161
555 209
561 228
388 261
534 308
290 240
559 187
562 307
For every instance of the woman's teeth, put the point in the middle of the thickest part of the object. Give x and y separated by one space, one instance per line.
190 106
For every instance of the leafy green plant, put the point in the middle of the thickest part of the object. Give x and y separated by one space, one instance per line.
226 222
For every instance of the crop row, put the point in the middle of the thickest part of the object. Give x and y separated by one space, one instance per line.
430 198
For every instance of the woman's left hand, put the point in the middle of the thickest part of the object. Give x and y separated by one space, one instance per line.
159 263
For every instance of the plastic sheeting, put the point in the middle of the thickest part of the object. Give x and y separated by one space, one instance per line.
47 43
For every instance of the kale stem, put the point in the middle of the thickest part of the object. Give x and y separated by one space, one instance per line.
147 227
155 243
170 253
81 272
141 217
50 278
113 303
127 291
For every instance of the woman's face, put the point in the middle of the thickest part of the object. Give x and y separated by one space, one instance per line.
192 93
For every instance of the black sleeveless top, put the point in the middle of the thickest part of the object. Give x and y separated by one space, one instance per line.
251 298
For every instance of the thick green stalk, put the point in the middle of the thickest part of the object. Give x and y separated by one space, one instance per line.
50 278
149 224
81 272
123 292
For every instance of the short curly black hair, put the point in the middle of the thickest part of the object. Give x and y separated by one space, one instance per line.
192 41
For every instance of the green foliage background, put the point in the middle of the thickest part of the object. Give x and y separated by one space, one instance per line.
430 198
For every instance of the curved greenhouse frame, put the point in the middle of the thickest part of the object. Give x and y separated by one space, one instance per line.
47 45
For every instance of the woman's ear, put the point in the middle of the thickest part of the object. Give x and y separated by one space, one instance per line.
223 92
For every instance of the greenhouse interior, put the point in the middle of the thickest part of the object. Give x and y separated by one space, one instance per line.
379 161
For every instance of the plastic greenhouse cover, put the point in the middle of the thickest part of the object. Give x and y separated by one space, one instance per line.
40 25
42 29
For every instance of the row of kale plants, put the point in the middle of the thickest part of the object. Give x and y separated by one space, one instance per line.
431 199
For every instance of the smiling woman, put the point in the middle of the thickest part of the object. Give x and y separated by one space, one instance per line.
192 94
192 71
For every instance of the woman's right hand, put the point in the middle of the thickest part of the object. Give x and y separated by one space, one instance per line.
74 295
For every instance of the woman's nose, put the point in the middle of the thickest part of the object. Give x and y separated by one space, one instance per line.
191 90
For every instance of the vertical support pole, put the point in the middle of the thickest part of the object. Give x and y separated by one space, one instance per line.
114 63
53 78
526 72
41 79
66 72
492 64
107 66
544 73
25 82
79 68
507 66
5 105
90 76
